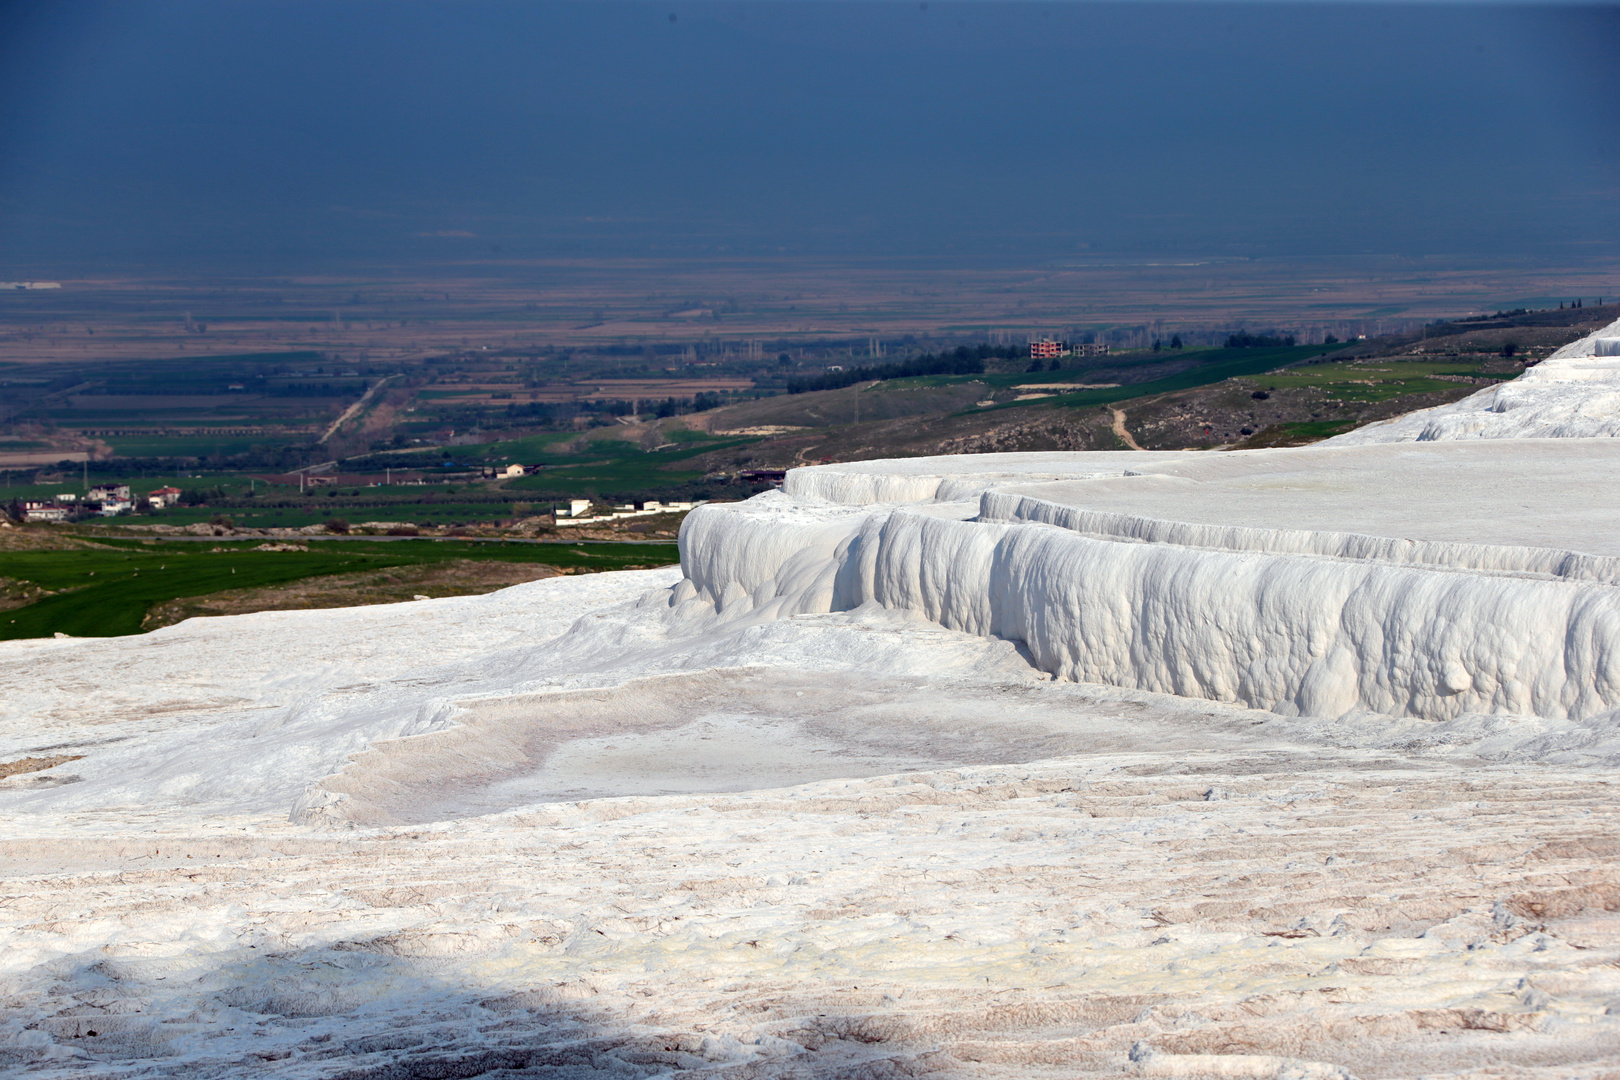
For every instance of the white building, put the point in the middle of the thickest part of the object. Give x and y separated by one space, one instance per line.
44 511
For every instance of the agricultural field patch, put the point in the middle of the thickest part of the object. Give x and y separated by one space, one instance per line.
196 445
108 590
160 403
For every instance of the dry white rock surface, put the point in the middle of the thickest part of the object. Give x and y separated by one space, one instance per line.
1280 764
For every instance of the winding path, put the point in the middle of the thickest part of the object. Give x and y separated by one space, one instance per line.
1124 436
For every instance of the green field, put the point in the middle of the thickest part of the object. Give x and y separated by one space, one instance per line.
1378 380
106 593
151 446
1217 365
1298 433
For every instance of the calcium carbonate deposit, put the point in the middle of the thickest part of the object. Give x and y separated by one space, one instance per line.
1269 764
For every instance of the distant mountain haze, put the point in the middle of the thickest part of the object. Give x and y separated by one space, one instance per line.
197 135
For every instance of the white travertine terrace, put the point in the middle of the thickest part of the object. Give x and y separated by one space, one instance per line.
1425 581
1275 764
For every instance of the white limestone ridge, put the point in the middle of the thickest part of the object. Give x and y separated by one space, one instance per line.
1213 576
1573 394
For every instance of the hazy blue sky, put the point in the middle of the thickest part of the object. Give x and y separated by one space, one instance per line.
293 132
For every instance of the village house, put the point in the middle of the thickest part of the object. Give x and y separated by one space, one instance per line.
163 497
106 493
34 510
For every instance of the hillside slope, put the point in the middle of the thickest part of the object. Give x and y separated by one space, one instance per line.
1198 400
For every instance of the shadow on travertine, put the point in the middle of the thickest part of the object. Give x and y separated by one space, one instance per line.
1214 913
357 1010
392 1008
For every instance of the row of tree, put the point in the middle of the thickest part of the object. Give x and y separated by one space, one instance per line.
1246 340
962 360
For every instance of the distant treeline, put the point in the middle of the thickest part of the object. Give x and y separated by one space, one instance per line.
1498 315
963 360
202 496
323 389
563 413
1245 340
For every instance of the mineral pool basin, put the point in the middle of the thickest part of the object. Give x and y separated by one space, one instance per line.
1558 493
753 729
